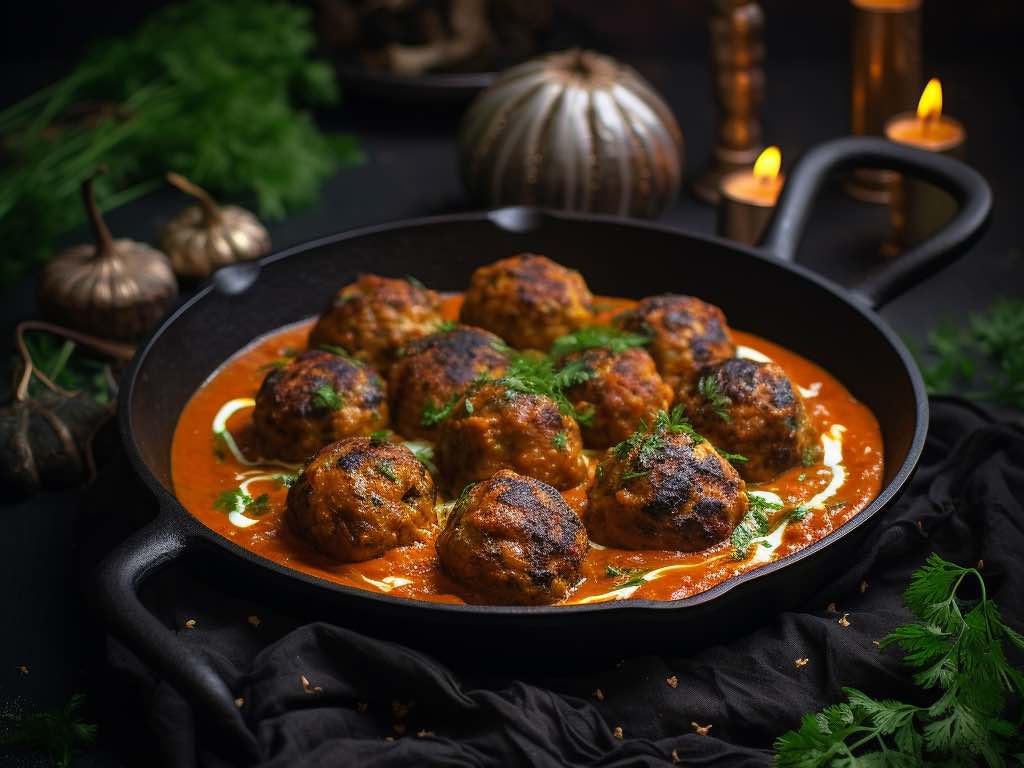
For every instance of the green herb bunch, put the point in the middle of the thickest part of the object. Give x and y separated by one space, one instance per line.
957 649
984 358
205 87
57 733
597 337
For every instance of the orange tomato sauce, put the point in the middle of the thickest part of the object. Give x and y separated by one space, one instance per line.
201 470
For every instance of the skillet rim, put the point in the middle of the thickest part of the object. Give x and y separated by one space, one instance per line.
174 512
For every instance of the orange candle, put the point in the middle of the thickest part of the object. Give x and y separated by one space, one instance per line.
918 208
748 197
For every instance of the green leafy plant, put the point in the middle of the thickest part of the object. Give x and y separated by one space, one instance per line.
957 649
983 359
205 87
596 337
57 733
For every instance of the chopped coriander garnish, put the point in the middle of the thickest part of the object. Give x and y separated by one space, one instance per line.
424 453
632 474
220 446
801 477
599 472
596 337
433 414
446 326
328 398
258 506
646 443
799 513
561 441
630 577
380 436
835 506
754 525
239 501
719 402
733 458
811 455
286 480
468 405
385 468
274 364
530 375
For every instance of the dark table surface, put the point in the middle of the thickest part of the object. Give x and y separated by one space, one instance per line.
410 171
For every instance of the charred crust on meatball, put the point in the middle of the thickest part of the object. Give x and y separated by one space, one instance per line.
512 540
751 408
317 398
528 300
358 498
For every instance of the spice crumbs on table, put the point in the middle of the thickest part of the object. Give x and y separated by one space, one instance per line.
617 733
362 706
676 759
844 620
801 662
254 620
424 734
864 587
673 682
23 669
239 702
309 688
702 730
598 694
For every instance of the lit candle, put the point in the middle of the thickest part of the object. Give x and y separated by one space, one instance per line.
748 197
918 208
885 75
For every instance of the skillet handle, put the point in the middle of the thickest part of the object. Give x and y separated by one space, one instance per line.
970 190
119 576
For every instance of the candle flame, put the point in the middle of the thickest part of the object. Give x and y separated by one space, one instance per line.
766 167
930 105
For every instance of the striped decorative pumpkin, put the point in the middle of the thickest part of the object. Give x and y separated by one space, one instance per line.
573 130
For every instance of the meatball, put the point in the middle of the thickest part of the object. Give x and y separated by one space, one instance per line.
665 490
513 540
495 427
686 334
433 370
624 390
360 497
750 408
528 300
376 316
314 400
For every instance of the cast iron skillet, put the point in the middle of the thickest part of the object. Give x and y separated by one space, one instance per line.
760 290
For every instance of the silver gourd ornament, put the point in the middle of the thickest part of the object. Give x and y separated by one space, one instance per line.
574 130
208 236
114 289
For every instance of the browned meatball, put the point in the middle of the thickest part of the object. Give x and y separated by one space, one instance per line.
665 489
494 427
434 369
360 497
750 408
376 316
528 300
513 540
624 390
314 400
686 334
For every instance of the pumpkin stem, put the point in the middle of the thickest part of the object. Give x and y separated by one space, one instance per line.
211 211
104 240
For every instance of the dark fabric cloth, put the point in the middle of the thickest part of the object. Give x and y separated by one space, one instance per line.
377 703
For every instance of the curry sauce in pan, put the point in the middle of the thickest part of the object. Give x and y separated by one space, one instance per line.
214 442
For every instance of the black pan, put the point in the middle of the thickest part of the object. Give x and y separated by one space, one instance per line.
760 290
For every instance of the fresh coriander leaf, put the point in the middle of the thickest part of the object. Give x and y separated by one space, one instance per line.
433 414
258 506
835 506
380 437
285 480
811 455
732 458
596 337
232 501
755 524
799 513
531 375
707 386
328 398
446 326
561 441
274 365
633 474
385 468
645 446
628 577
801 477
415 281
468 407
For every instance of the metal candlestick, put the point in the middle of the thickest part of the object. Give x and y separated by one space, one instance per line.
737 54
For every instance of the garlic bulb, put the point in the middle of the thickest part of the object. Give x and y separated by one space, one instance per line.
207 236
115 289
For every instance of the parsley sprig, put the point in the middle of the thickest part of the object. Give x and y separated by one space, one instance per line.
433 414
646 444
957 649
531 375
984 359
240 501
328 398
57 733
720 403
755 524
597 337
